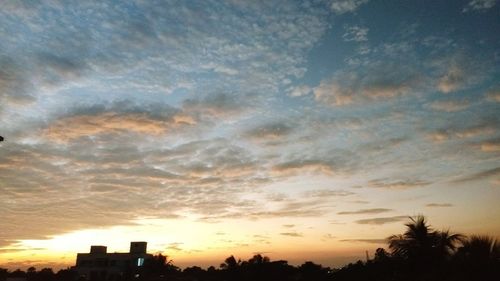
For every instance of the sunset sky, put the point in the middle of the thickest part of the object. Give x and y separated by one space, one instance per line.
302 130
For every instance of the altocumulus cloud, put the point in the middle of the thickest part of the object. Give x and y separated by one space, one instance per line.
150 108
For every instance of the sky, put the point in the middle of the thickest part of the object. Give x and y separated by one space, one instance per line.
302 130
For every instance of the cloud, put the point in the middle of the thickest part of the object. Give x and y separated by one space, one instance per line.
493 96
397 184
458 72
325 193
478 176
116 118
14 88
479 5
83 126
118 179
450 105
380 221
439 205
289 225
379 81
122 55
219 105
175 246
299 91
438 136
365 211
345 6
485 127
355 33
269 132
291 234
384 144
371 241
304 165
328 236
492 145
302 206
453 80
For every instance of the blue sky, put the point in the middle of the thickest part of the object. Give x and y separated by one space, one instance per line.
321 124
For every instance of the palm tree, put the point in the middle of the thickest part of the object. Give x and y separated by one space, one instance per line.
421 244
445 243
479 248
479 258
416 242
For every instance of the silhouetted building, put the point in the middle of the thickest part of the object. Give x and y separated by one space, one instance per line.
98 265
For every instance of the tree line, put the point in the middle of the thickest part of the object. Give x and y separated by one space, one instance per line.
418 254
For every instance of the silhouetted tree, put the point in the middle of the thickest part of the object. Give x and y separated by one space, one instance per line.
419 254
381 255
31 273
158 266
17 274
479 258
445 244
3 274
479 249
312 271
66 275
230 263
46 274
416 243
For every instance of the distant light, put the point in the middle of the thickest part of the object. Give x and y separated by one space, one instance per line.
140 261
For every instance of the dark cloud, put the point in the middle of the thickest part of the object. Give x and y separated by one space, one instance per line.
328 236
174 247
384 220
361 202
291 234
439 205
15 250
366 211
